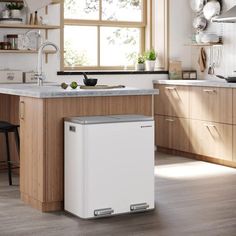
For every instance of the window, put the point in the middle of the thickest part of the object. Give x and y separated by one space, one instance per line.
103 34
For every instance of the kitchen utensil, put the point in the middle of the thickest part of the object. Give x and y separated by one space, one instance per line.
89 81
202 60
229 79
211 9
211 69
199 23
197 5
218 54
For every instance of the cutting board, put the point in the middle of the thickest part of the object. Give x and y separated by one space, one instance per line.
102 87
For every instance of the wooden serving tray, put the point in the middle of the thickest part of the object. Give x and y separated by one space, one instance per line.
101 87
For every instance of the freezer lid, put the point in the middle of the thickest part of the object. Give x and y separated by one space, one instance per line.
108 119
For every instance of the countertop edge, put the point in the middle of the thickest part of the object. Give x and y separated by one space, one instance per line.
196 83
84 93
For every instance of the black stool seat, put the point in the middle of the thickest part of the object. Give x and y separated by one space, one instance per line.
6 127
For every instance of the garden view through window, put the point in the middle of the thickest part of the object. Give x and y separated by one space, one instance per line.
103 33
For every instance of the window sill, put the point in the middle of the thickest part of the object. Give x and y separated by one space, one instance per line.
128 72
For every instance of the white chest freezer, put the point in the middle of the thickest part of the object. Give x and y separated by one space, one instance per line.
109 165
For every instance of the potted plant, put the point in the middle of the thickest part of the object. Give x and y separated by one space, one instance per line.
15 9
140 64
151 57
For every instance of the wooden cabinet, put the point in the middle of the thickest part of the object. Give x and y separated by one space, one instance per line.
172 101
234 143
211 104
234 106
211 139
172 133
198 120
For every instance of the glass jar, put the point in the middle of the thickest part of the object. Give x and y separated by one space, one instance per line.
5 46
13 40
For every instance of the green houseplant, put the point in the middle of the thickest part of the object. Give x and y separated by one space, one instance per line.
151 57
140 63
15 9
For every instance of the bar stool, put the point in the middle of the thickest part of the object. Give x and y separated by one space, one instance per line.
7 128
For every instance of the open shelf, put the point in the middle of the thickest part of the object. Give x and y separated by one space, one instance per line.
21 1
23 26
204 44
27 51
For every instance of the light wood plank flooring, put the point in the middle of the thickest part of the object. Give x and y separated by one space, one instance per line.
192 198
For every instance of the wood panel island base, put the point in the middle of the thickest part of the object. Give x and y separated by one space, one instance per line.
42 133
42 136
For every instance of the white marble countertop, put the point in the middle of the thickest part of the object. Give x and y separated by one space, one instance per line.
199 83
55 91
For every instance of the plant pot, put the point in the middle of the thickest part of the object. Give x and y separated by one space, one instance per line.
16 14
140 66
150 65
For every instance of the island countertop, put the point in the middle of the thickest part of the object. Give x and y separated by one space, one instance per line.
198 83
55 91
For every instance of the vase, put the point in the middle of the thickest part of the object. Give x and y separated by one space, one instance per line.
140 67
16 14
150 65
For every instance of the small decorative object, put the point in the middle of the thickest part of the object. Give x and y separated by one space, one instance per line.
15 9
198 37
6 14
140 65
189 74
175 70
150 57
36 21
31 20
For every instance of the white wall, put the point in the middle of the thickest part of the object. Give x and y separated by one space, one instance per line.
180 21
180 31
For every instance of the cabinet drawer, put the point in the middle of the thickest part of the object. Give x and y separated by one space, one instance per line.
172 133
172 101
211 104
211 139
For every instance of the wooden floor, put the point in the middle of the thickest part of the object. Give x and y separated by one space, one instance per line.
192 198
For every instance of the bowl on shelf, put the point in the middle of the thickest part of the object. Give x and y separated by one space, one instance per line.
210 38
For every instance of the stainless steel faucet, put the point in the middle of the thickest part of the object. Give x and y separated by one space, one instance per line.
40 75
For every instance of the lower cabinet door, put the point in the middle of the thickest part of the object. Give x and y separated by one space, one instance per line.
172 133
234 143
211 139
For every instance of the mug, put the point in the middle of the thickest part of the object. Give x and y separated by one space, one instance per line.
5 14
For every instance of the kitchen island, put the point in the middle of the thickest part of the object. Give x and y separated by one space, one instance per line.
41 112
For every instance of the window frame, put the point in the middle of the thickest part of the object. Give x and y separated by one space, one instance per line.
142 25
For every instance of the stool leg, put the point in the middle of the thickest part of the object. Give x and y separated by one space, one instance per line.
8 159
17 141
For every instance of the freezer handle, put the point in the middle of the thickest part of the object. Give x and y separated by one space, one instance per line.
72 128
